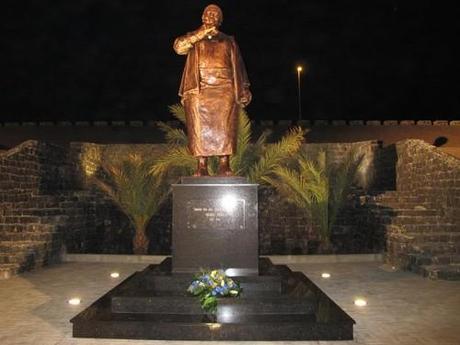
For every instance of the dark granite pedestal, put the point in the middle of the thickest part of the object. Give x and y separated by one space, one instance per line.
277 304
215 225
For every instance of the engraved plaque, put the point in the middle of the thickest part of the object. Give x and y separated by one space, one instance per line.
222 214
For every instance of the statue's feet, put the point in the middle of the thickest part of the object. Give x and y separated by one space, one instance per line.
202 168
201 172
224 166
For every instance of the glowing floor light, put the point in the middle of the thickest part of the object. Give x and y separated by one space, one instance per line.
115 274
360 302
74 301
325 275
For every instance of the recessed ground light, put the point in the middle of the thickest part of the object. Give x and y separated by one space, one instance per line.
325 275
74 301
114 274
360 302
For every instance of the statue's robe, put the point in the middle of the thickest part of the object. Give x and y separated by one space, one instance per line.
214 87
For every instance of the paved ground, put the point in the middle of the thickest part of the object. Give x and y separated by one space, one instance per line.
403 308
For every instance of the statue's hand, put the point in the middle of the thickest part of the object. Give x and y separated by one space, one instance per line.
205 32
212 31
202 33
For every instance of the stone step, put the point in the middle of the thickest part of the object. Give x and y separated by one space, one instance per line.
19 228
445 272
28 219
403 211
410 220
30 236
12 258
19 219
435 248
18 246
445 259
418 260
9 270
176 283
441 236
191 305
398 197
27 258
416 212
394 205
429 259
430 228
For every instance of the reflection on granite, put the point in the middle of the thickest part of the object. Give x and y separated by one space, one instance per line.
278 304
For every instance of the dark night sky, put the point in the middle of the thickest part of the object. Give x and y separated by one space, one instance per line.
113 59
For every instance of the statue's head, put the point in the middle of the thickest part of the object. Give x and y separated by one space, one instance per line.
212 16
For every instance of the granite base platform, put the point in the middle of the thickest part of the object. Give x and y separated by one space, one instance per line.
278 304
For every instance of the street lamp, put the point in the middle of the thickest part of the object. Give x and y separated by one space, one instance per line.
299 70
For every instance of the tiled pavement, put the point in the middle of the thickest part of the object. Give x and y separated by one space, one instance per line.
403 308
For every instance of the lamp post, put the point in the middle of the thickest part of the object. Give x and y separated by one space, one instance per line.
299 70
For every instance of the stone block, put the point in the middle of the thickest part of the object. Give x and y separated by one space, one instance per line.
390 123
285 123
407 122
82 123
320 122
29 124
424 123
374 123
100 123
64 123
46 123
136 123
118 123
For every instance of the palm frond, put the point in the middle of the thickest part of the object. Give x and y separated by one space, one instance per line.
243 142
276 153
178 158
213 165
292 186
178 111
342 178
307 188
173 136
251 155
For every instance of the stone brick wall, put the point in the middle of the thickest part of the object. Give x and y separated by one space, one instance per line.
429 180
34 168
47 205
43 210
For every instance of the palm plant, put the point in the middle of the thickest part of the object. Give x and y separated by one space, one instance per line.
253 160
317 188
137 192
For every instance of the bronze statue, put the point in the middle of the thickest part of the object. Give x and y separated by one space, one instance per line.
213 88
